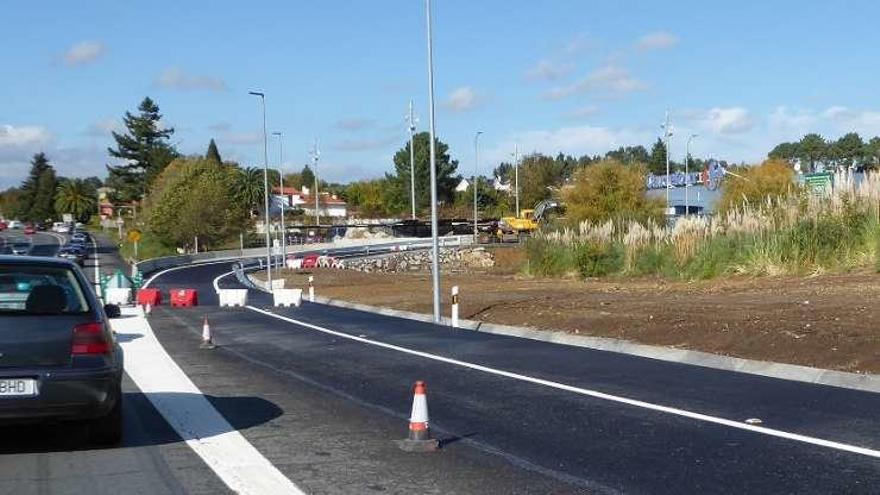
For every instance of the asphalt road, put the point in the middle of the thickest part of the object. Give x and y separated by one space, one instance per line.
322 392
585 440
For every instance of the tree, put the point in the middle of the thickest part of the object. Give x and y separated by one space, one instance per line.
631 155
872 153
785 151
399 183
146 151
753 185
38 191
77 197
610 190
197 198
811 149
307 177
212 154
539 177
657 163
849 150
249 190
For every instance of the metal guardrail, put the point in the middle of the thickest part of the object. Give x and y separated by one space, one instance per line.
157 264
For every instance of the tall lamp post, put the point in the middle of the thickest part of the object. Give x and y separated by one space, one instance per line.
667 134
315 155
262 97
476 166
687 181
516 175
412 157
435 247
283 195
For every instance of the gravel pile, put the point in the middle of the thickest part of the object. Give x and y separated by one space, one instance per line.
412 261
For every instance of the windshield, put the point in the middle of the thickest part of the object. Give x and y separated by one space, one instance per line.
40 290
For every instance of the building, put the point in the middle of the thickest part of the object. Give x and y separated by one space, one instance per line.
329 205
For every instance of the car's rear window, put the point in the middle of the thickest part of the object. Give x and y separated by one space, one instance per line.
44 290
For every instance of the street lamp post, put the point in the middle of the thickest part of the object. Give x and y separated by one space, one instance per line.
315 155
412 158
266 188
687 181
667 130
283 195
435 248
474 185
516 175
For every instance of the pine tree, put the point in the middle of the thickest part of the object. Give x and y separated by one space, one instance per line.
145 148
308 177
212 155
38 190
658 158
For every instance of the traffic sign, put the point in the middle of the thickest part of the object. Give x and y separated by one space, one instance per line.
134 235
819 183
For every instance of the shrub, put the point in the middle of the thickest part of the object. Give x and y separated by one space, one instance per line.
751 186
609 190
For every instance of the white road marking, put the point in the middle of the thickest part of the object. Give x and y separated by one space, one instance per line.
587 392
97 267
235 461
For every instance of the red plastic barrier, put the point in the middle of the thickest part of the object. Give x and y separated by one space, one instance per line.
182 298
310 261
153 297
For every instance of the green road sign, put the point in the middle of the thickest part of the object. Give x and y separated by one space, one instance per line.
819 183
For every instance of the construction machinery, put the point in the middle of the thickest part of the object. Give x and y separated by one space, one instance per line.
511 229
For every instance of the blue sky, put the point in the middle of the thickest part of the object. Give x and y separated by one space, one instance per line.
566 75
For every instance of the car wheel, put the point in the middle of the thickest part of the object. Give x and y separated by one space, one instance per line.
107 430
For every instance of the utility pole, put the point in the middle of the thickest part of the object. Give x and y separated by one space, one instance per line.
412 158
474 185
283 195
266 188
435 247
315 155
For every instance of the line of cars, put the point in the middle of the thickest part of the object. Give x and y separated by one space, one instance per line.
77 248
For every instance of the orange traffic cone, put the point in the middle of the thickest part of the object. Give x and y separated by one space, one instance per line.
207 340
419 439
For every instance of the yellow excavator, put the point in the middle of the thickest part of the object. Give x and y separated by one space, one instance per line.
512 228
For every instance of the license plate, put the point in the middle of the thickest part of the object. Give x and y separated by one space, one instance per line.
18 387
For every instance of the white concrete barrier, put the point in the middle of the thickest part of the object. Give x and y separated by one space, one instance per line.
295 264
324 261
277 283
120 297
233 297
287 297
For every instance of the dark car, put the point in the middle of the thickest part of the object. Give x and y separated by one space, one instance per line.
73 253
59 360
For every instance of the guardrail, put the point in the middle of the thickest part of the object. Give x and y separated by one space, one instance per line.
157 264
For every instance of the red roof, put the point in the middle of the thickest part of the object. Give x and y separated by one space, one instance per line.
288 191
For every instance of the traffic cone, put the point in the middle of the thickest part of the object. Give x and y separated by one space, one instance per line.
419 439
207 340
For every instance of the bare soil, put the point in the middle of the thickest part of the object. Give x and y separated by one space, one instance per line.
827 321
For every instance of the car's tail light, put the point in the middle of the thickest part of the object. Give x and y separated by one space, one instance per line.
89 339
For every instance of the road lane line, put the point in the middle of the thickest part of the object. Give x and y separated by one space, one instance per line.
97 280
854 449
225 450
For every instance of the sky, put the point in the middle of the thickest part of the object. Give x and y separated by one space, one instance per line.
560 75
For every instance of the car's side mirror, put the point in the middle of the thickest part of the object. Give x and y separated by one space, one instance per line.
112 311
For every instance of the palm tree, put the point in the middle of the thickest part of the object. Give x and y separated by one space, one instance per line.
77 197
250 188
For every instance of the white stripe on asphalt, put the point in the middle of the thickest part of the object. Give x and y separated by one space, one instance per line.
587 392
235 461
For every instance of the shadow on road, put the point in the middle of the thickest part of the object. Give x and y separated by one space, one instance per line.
143 425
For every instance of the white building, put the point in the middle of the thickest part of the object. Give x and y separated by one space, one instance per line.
329 205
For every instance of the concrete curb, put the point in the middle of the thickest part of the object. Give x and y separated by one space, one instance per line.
855 381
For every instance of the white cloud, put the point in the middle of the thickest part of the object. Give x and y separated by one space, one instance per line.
220 126
462 99
574 140
242 138
582 112
364 144
792 121
176 78
355 124
549 70
846 119
657 40
609 79
726 121
104 127
83 52
25 136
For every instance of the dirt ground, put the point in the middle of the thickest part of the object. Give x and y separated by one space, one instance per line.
827 321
